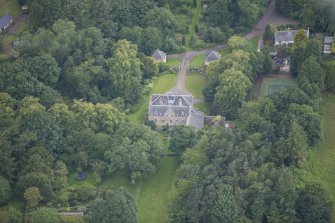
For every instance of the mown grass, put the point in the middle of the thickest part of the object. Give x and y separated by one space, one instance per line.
151 192
195 83
160 85
174 62
10 7
197 61
322 162
203 106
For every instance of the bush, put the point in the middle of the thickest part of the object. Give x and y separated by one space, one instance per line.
213 35
4 191
86 192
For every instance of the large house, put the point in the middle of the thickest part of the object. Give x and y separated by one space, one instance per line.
211 57
159 56
287 37
5 22
327 44
173 109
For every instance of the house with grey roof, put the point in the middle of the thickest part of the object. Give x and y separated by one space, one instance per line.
211 57
159 56
327 44
5 22
287 37
172 109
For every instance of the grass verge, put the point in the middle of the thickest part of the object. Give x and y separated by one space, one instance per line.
322 162
197 61
203 106
195 83
151 192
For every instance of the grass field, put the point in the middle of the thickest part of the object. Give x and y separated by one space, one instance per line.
269 85
174 62
152 192
161 85
322 162
195 83
10 7
197 61
203 106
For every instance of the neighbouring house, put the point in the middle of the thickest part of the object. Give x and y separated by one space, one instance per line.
172 109
159 56
211 57
5 22
287 37
327 44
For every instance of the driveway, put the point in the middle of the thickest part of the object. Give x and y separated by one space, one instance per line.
270 16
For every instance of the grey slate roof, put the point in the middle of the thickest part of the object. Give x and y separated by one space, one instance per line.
161 103
159 55
5 20
328 40
212 56
196 119
288 35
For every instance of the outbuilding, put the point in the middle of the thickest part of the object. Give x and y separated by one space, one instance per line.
5 22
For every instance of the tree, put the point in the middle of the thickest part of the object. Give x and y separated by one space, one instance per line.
5 191
238 43
32 196
231 92
225 208
296 146
312 70
149 66
45 215
125 72
12 216
312 204
268 36
119 206
162 19
182 137
45 68
300 39
309 120
136 149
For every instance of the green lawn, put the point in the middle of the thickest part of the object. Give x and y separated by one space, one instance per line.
322 162
10 7
195 83
174 62
203 106
152 192
161 85
197 61
270 85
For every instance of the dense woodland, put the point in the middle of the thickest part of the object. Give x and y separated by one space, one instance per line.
67 87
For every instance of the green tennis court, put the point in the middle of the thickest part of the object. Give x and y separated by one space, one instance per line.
270 85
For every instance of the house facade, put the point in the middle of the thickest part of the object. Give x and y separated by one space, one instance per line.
5 22
287 37
173 109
